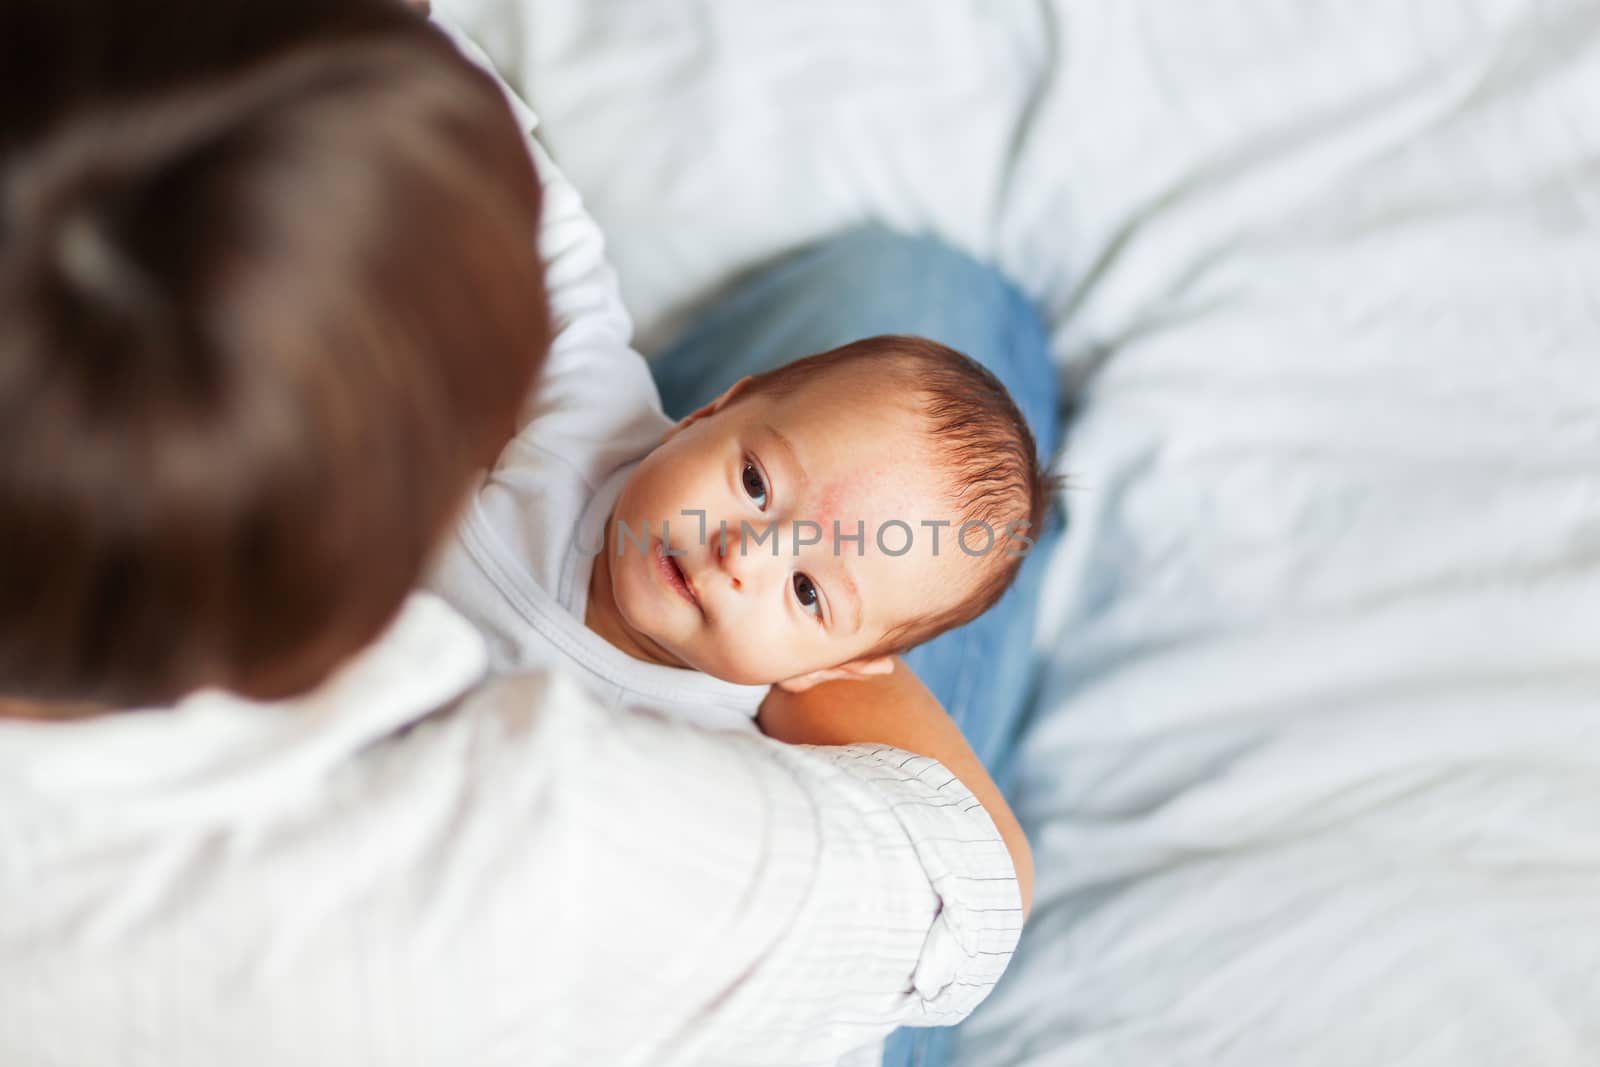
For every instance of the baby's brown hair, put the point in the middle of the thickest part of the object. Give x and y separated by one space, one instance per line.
997 477
269 296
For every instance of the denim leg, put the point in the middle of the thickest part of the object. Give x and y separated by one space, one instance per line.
871 281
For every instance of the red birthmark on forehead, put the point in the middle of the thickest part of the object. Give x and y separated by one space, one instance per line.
828 501
870 496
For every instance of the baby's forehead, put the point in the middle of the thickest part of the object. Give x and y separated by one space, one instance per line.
872 467
860 377
863 431
871 396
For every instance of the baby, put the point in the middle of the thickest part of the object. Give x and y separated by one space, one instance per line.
807 525
823 517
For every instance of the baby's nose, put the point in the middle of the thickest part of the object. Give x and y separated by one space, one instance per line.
737 557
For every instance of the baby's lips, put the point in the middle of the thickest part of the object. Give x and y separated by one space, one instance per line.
676 558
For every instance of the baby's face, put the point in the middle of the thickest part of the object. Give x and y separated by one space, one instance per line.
777 597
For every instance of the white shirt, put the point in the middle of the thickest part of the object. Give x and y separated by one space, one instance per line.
523 878
520 564
413 866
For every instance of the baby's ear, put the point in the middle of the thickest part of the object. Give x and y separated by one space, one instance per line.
712 408
855 669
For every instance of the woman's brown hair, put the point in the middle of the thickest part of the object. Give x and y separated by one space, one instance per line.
269 296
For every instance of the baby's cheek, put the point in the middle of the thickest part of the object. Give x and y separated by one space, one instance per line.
755 655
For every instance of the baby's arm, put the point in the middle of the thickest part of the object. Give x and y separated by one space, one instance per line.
896 709
593 332
591 359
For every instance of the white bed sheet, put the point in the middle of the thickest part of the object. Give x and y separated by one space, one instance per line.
1316 778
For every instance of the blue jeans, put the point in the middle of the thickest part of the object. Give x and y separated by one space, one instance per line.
871 281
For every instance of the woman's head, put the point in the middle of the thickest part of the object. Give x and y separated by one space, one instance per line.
269 295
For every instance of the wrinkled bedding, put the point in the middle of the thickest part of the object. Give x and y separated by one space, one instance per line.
1315 776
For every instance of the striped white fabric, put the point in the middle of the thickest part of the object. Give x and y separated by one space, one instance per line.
524 878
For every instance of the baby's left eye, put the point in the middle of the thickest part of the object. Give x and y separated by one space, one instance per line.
807 594
755 486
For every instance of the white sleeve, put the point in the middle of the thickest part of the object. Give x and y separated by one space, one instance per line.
644 892
595 393
525 878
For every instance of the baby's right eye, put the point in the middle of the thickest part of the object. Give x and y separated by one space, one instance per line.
755 485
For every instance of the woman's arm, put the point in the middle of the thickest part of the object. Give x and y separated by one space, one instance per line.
588 885
896 709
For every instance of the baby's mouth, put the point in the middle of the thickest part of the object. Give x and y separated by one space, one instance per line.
674 575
